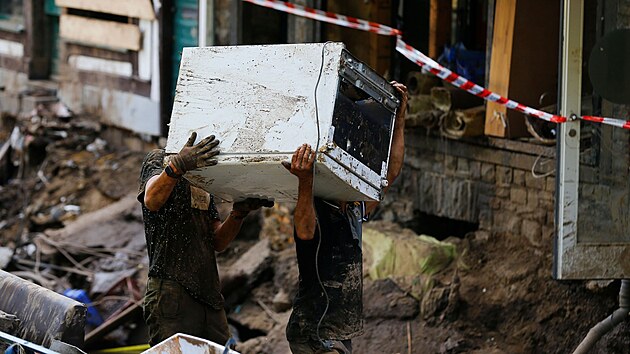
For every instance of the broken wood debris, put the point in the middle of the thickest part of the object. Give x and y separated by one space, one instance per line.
51 177
452 112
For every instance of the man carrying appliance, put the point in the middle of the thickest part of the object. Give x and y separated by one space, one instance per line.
183 232
328 245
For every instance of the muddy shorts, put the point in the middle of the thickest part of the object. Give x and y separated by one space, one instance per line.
169 309
316 347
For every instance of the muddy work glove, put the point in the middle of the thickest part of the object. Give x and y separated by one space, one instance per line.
196 156
244 207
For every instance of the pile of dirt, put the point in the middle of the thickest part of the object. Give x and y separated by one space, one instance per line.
497 297
68 220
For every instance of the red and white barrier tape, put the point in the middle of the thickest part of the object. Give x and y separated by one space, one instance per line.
625 124
424 61
326 16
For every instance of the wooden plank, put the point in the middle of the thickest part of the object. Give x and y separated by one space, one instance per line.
439 26
12 36
134 8
92 64
144 55
380 46
11 49
100 33
500 63
371 48
113 323
518 72
78 49
535 49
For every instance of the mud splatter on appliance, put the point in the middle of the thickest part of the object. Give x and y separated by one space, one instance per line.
264 101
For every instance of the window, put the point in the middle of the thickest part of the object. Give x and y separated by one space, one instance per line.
12 11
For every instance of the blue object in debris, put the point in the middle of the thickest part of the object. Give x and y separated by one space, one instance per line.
470 64
18 349
93 316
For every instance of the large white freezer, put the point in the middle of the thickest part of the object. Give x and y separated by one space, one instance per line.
261 102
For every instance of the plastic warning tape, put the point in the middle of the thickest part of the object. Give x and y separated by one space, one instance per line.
445 74
329 17
425 62
625 124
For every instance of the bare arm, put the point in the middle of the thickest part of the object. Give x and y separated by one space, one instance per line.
225 232
397 155
304 216
158 190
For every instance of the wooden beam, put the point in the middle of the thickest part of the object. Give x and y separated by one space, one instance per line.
100 33
11 49
113 323
371 48
134 8
524 63
106 66
499 80
35 54
439 26
380 46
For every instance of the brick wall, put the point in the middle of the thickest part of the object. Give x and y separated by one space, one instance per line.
484 181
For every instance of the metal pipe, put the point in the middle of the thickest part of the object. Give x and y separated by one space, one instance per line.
620 315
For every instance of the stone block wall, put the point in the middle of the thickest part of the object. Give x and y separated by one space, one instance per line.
483 181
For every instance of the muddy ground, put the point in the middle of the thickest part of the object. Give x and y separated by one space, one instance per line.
498 298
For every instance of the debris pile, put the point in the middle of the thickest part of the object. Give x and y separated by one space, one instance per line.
423 285
447 109
69 220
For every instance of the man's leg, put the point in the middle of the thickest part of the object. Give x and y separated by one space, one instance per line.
201 320
216 328
161 307
168 309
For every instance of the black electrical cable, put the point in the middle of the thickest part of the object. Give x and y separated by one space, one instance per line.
319 230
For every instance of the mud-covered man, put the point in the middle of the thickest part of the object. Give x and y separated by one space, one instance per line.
183 232
328 244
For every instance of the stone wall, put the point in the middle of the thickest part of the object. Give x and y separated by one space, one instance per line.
484 181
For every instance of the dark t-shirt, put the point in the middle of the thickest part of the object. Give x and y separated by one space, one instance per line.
341 271
179 236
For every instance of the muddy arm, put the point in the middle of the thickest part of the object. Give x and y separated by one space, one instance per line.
301 166
158 190
397 155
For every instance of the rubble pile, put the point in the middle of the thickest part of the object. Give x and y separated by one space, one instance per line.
450 111
424 287
69 220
